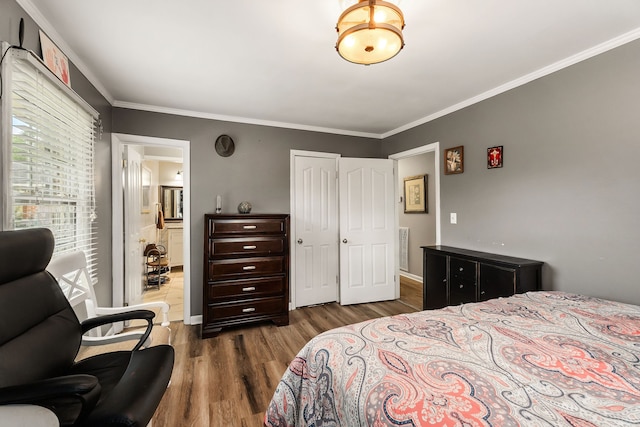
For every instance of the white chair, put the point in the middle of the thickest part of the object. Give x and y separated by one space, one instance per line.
27 416
70 270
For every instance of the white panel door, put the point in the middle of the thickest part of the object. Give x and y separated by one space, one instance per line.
132 240
316 231
367 230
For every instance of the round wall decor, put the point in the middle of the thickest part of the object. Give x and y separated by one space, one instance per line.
225 146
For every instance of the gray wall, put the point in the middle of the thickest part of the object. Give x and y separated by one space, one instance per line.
10 14
568 192
258 171
422 226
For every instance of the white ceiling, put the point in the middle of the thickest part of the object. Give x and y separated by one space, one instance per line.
274 62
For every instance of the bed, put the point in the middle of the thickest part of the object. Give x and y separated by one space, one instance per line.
534 359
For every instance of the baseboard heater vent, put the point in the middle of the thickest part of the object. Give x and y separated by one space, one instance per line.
404 248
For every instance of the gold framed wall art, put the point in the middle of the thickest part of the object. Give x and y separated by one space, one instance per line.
454 160
415 194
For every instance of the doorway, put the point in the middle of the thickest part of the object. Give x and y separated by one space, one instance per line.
166 163
417 229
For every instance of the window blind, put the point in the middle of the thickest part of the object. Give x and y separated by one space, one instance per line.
50 175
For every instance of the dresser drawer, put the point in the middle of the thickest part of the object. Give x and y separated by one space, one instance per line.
247 226
463 279
246 289
247 246
245 267
258 307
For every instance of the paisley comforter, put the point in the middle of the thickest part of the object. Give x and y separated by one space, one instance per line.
536 359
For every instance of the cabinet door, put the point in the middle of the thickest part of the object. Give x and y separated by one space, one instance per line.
435 281
176 247
496 281
462 281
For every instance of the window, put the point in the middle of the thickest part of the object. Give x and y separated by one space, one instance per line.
48 155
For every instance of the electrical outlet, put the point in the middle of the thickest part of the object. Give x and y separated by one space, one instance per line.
454 218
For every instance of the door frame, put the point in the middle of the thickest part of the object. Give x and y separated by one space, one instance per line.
433 147
292 253
118 140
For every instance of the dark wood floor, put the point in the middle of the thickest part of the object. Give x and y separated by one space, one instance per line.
411 292
230 379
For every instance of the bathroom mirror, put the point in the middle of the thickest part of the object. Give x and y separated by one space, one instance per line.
171 201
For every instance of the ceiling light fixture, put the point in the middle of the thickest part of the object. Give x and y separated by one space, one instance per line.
370 32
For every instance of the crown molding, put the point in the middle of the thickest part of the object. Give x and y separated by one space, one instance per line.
245 120
46 26
556 66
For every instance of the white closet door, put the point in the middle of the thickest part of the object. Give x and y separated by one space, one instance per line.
316 231
367 230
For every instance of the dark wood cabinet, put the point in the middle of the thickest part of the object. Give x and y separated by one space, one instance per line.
435 290
246 270
454 276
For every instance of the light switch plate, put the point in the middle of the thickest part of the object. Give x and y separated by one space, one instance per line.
454 218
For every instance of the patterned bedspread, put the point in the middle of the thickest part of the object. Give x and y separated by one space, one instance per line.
537 359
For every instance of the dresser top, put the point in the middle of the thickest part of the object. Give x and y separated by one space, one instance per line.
477 255
244 216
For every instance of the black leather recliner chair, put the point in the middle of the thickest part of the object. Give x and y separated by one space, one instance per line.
40 337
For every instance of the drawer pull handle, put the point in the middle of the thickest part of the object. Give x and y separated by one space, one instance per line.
249 227
249 267
249 247
249 289
248 310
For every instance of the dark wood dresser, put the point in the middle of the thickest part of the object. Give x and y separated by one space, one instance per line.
453 276
246 270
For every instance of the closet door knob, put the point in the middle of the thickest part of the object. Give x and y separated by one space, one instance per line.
299 241
344 240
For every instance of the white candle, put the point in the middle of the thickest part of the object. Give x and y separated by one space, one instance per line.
218 203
